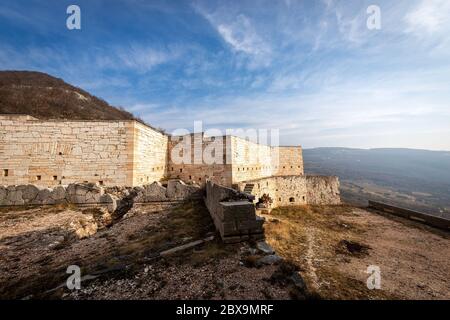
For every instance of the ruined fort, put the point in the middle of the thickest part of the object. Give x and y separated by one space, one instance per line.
129 153
119 195
49 161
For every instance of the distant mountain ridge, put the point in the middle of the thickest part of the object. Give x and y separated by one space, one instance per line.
419 179
45 97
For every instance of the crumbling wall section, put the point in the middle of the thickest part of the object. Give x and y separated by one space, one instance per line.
233 214
79 194
176 190
322 190
92 194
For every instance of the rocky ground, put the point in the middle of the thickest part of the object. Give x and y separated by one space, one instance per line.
334 246
326 252
120 260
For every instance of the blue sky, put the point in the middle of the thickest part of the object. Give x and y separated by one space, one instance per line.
309 68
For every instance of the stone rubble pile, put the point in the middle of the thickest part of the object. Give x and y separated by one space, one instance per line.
176 190
258 255
34 195
89 193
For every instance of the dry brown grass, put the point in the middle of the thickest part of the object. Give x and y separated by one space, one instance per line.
310 237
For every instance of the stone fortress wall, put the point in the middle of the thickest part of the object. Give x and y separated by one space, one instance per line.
194 167
54 152
253 161
49 153
150 155
238 160
295 190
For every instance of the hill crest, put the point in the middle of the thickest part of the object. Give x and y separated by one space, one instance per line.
45 97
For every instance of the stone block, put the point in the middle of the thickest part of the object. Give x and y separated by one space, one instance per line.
151 193
237 210
88 193
3 193
44 197
269 260
29 192
110 200
59 195
178 190
14 196
264 247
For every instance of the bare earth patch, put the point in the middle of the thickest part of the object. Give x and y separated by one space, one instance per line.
334 245
330 246
37 245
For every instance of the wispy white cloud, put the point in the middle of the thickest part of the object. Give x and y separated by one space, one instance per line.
239 32
352 28
309 68
379 108
142 59
241 35
428 17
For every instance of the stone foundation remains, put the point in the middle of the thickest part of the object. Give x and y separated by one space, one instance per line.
91 194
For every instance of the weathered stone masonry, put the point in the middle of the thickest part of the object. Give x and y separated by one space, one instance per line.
295 190
241 160
125 153
57 162
49 153
233 213
128 153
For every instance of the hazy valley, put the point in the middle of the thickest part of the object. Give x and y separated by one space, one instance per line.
415 179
